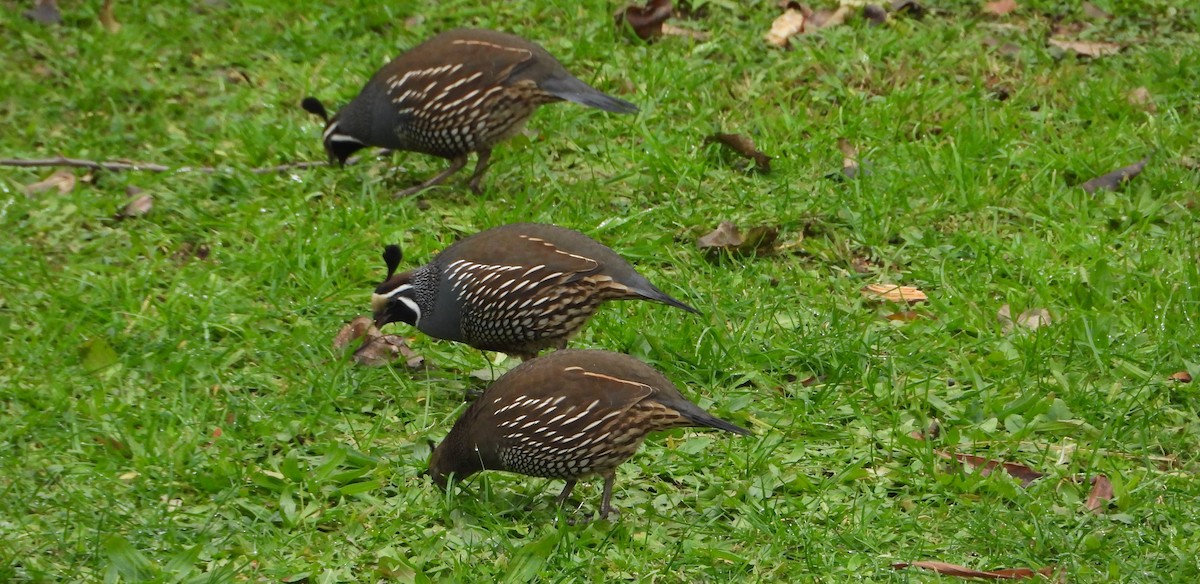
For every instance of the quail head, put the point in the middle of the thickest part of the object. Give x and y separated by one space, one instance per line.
567 415
518 288
461 91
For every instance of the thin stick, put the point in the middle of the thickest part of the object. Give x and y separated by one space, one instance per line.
117 165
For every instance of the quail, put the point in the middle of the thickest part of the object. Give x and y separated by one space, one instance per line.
567 415
517 288
462 91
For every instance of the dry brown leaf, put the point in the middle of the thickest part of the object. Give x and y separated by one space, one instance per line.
1087 48
63 180
1113 180
138 206
1000 7
986 465
1181 377
784 27
106 17
852 167
931 433
1031 319
646 21
727 237
910 7
1101 494
383 350
894 293
826 18
745 146
947 569
1094 12
357 328
1141 97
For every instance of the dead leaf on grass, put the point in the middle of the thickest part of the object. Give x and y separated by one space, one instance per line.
63 180
136 207
1000 7
377 349
744 146
106 17
1113 180
355 329
1141 97
931 433
1094 12
909 7
894 293
798 19
986 465
1087 48
1100 495
1181 377
45 12
851 166
1031 319
727 237
646 21
947 569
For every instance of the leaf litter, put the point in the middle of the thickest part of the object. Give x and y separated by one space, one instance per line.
727 237
1113 180
377 349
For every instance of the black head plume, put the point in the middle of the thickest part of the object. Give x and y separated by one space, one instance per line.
392 257
314 106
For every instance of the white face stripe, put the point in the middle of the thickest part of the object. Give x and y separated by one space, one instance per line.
344 138
412 305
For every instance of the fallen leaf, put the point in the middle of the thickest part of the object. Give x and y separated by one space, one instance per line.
727 237
646 21
745 146
1101 494
784 27
62 180
137 207
106 17
1141 97
357 328
851 166
1094 12
1000 7
894 293
382 350
826 18
1087 48
986 465
1116 178
1181 377
1031 319
874 14
947 569
45 12
931 433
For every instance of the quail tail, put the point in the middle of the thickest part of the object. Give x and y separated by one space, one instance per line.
572 89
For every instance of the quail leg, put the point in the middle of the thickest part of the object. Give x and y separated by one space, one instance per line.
456 165
480 167
606 510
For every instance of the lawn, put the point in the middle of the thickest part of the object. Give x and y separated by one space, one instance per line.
173 409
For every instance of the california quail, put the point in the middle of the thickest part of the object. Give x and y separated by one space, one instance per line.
568 415
516 288
459 92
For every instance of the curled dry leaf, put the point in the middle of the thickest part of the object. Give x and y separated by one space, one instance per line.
1100 495
1087 48
986 465
1116 178
383 350
727 237
947 569
784 27
1181 377
745 146
138 206
355 329
63 180
1031 319
646 21
106 17
799 19
894 293
1000 7
1141 97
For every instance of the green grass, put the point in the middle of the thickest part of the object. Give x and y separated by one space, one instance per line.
179 416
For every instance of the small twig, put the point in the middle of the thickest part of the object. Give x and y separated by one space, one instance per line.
116 165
